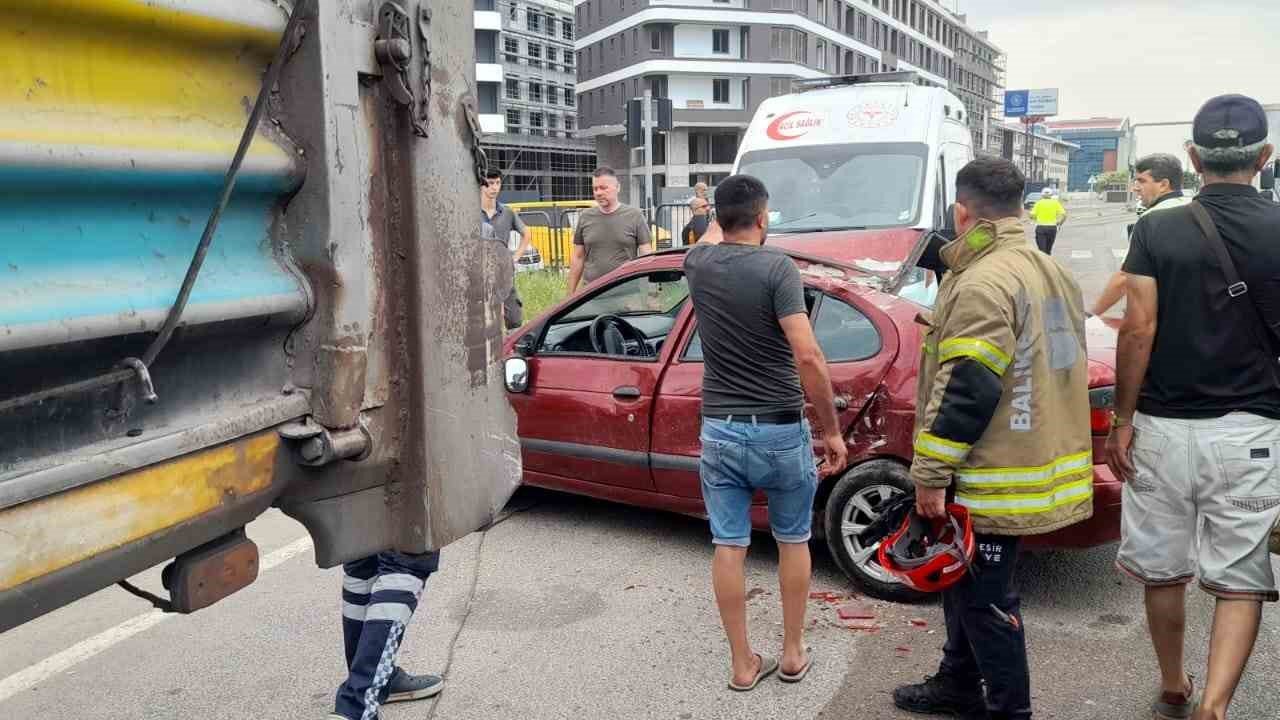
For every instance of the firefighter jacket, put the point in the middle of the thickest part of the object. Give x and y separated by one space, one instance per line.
1003 400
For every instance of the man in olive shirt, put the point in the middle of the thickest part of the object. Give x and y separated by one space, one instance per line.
608 234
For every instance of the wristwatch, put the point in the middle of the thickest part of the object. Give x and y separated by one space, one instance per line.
1117 421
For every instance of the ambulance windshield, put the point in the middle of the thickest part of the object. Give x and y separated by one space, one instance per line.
818 188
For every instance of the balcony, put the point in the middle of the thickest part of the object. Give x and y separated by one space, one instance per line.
488 20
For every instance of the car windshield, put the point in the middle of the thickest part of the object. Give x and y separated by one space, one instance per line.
841 187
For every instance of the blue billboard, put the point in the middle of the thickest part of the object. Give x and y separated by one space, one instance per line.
1015 103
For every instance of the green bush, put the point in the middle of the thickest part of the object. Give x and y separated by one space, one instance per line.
540 290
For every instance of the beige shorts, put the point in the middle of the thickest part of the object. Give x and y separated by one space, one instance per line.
1202 502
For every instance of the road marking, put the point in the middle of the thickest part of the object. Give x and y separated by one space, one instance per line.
85 649
1119 253
1081 254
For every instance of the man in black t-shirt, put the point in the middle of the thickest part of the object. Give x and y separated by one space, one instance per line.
1197 366
697 225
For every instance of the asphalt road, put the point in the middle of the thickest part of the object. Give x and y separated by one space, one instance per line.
574 608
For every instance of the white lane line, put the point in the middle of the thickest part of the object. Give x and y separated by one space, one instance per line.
85 649
1119 253
1081 254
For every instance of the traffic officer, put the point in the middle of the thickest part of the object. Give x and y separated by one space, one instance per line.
1159 185
1049 216
1003 423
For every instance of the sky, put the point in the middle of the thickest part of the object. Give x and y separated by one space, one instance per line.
1146 60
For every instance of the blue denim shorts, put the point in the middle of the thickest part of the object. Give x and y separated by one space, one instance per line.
739 458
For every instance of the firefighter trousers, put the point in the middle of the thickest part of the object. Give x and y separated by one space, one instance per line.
985 637
379 595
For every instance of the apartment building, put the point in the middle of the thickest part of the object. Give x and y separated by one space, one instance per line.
526 76
717 60
1049 160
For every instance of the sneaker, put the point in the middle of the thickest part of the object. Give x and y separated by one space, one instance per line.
942 695
404 686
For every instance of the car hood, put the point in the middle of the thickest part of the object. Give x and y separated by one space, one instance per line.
886 255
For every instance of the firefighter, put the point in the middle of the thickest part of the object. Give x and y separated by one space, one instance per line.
1002 424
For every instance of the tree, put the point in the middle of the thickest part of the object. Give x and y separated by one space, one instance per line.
1191 181
1105 180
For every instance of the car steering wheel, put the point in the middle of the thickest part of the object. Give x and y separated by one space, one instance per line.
609 335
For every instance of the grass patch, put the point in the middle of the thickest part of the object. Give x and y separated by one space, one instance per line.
540 290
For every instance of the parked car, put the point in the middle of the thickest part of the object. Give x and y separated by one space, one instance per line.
607 385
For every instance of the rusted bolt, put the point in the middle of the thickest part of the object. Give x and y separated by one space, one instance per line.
312 450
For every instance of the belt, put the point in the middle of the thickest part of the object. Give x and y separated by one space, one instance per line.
778 418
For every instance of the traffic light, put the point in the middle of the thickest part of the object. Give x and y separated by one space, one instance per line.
635 123
664 113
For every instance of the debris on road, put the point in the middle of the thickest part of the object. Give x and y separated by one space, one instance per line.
855 611
919 622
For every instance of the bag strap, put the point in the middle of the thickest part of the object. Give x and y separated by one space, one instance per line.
1235 286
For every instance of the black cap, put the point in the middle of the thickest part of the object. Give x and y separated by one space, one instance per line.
1229 121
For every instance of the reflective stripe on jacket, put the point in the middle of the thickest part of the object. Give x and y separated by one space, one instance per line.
1019 315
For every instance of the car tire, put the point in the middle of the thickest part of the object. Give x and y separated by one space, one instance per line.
851 506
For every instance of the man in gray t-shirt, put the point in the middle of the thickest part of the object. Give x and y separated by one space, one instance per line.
758 349
497 222
608 234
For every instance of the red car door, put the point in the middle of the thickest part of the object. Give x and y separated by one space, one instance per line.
586 415
860 345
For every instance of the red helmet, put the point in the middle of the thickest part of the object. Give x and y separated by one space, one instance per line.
930 555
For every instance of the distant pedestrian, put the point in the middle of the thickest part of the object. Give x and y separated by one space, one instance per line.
759 351
1197 407
379 596
1003 423
700 190
608 234
1048 214
497 222
697 225
1159 186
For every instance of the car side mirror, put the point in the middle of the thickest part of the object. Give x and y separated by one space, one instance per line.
516 370
527 344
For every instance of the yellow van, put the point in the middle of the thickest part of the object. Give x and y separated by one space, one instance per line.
553 222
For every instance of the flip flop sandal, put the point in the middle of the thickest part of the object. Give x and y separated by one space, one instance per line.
799 674
768 666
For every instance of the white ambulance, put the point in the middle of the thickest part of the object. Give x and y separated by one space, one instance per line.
859 169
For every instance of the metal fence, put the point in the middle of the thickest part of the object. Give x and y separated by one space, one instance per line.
671 219
553 227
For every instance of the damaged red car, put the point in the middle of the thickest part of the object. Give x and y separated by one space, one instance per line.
607 387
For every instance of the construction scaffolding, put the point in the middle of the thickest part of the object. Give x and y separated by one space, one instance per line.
542 168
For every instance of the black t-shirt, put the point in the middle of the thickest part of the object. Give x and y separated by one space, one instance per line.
1207 361
740 292
695 229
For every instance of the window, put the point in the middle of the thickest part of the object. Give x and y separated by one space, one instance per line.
843 333
512 48
535 92
624 43
862 27
821 14
649 303
779 86
551 26
569 99
533 21
655 39
790 45
513 118
535 119
568 122
785 4
712 148
869 185
566 29
553 121
820 54
720 42
513 89
720 91
553 94
511 12
535 55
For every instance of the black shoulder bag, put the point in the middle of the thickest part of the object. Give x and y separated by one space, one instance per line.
1237 288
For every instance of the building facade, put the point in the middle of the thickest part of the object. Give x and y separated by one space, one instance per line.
1106 145
526 76
717 60
1048 162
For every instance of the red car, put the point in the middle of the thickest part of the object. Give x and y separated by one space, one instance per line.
607 389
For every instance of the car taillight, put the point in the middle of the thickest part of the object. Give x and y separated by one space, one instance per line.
1101 409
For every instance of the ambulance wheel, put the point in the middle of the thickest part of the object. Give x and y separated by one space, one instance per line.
854 503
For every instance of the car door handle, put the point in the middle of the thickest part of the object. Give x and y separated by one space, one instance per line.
842 403
627 392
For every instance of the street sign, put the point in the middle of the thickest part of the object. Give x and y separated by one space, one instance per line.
1021 103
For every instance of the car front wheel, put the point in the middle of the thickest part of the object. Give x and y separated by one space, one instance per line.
854 503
